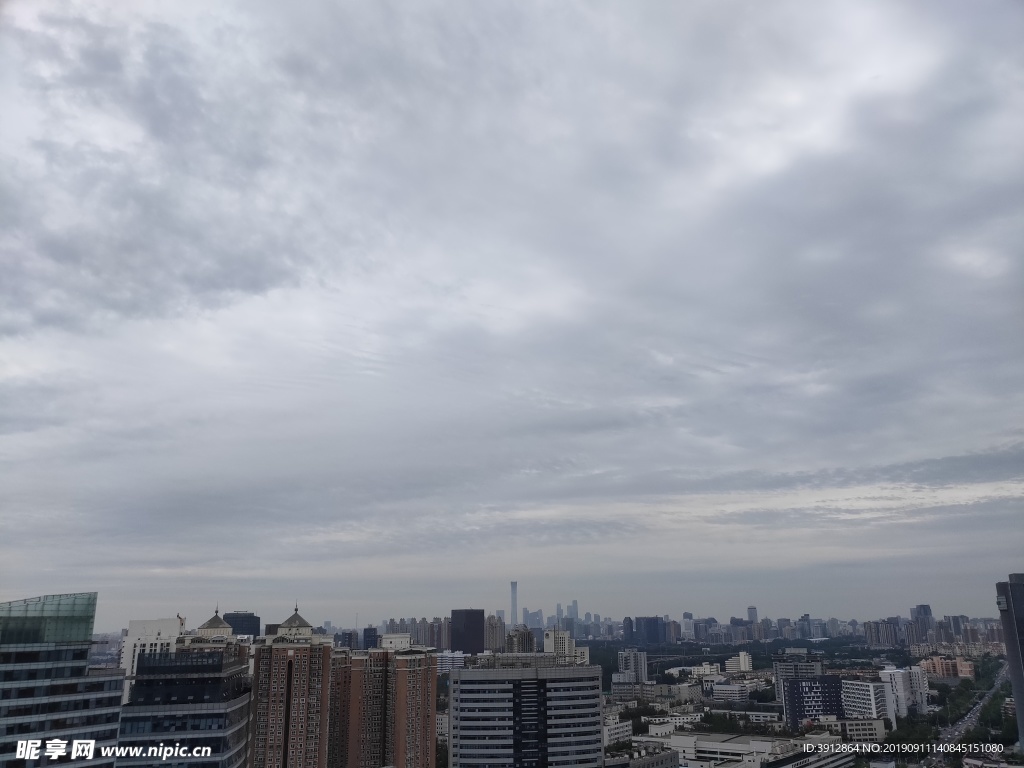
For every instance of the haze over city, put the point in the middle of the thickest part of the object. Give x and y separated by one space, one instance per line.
377 307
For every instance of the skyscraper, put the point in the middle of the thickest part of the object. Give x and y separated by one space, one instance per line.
514 616
529 716
752 614
468 630
44 666
1010 601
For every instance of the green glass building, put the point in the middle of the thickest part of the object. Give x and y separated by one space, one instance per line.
47 690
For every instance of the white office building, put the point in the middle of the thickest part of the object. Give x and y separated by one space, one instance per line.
905 689
739 663
865 700
530 715
147 636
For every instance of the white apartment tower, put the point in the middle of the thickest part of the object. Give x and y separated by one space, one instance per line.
905 689
632 667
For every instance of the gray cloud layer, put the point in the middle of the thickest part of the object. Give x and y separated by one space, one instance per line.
385 305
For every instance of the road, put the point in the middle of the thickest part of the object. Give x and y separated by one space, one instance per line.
952 734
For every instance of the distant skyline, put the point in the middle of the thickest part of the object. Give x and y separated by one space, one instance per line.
380 306
198 616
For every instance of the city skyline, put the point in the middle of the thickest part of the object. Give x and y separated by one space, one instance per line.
373 620
377 307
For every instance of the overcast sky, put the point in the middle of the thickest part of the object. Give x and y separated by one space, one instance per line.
659 306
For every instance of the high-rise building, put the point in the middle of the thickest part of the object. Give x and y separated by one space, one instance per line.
468 630
146 636
795 664
520 640
921 615
370 636
533 619
197 695
244 623
632 667
628 631
560 643
881 634
514 616
383 706
494 634
752 614
650 630
49 693
530 716
905 690
439 634
811 699
290 697
347 638
865 700
1010 601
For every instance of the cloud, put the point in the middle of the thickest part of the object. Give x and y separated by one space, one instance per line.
572 290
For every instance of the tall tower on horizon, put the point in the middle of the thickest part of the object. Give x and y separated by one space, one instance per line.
752 614
514 617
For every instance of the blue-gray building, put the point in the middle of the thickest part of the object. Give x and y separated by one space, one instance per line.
243 623
1010 601
196 697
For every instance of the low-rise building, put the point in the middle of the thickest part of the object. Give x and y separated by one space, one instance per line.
644 757
615 731
730 692
727 750
944 666
860 731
